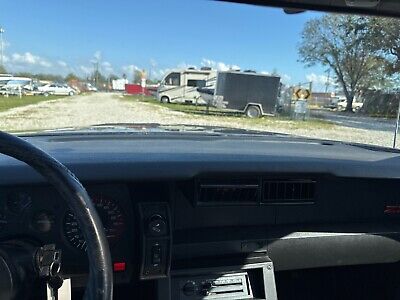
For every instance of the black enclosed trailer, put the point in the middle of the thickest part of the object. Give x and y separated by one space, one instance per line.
252 93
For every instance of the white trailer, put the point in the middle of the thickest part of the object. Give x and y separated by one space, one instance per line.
181 85
119 84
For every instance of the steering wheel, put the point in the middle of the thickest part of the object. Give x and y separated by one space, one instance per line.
100 281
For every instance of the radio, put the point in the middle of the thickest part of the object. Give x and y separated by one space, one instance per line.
230 286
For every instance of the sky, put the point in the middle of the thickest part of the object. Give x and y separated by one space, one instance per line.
156 35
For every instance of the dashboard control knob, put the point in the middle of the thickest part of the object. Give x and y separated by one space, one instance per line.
157 226
205 292
189 289
206 285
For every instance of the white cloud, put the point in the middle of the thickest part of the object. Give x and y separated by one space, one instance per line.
207 62
184 65
107 67
285 78
153 63
160 72
85 69
6 59
62 63
130 69
97 55
29 59
319 79
220 66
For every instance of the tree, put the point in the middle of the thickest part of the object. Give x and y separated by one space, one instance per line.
112 77
137 76
25 74
71 76
386 33
40 76
343 44
99 79
3 70
49 77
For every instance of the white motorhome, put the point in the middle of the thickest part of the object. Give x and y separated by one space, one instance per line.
19 82
181 85
4 78
15 85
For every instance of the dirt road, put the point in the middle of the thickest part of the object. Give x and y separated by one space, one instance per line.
100 108
356 120
80 111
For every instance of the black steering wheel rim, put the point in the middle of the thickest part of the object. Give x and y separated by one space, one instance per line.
100 282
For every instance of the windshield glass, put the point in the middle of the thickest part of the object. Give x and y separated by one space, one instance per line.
327 76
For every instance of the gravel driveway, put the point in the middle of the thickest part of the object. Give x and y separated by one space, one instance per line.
85 110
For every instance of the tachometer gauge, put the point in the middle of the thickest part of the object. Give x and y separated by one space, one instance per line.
111 216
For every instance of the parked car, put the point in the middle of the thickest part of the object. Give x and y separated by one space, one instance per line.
57 89
342 104
91 88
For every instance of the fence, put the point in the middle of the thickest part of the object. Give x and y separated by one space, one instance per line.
381 104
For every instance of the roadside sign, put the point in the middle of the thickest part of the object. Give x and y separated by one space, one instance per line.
301 94
300 107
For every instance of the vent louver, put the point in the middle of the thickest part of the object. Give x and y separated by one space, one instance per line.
288 191
234 192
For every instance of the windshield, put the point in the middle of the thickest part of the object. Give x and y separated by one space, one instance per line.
326 76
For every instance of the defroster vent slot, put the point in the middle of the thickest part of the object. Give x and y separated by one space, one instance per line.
288 191
231 192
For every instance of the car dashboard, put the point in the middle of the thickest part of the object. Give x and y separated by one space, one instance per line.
204 218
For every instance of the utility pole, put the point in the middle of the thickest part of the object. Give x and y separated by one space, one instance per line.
2 46
397 127
96 73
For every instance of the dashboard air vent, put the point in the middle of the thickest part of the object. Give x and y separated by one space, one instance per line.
228 192
288 191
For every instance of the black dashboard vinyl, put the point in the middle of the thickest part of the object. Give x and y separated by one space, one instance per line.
347 222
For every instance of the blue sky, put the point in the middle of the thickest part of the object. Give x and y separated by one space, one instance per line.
65 36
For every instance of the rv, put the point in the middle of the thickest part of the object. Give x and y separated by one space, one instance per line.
182 85
4 78
15 85
19 82
10 81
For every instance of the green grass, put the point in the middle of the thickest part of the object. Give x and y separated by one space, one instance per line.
234 117
15 101
182 107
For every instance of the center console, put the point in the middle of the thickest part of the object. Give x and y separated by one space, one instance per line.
236 276
250 277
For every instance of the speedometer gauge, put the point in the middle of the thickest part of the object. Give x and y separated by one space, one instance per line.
111 216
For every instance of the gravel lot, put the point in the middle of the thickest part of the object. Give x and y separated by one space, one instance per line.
109 108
